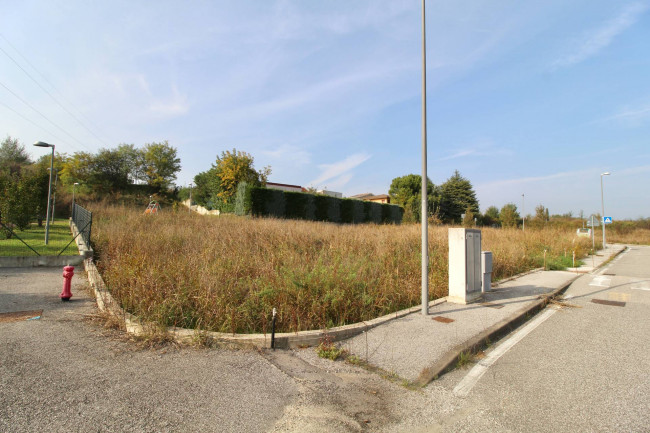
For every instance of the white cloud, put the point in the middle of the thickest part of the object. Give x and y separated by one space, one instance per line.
632 114
601 37
331 171
175 105
288 152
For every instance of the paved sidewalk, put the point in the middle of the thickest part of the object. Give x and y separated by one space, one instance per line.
419 348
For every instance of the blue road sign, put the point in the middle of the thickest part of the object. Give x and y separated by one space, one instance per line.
607 220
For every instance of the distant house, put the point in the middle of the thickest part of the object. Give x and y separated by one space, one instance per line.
330 193
285 187
382 198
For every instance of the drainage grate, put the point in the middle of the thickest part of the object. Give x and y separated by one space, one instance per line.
491 305
605 302
17 316
442 319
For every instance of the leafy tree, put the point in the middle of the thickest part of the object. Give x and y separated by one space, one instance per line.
491 216
133 160
160 165
23 195
406 191
509 216
468 219
109 172
78 168
12 155
216 188
203 186
456 195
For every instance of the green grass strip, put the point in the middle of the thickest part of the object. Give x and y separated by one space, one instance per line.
34 236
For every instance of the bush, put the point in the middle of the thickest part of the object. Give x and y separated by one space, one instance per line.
298 205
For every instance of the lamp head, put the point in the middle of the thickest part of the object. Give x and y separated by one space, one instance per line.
42 144
76 183
607 173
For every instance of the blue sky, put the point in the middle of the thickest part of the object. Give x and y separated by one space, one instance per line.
534 98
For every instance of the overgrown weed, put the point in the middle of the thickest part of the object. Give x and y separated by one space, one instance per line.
226 274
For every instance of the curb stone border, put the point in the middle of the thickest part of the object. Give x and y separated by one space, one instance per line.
285 340
494 332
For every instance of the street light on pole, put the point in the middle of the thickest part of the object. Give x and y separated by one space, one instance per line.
424 214
190 206
602 205
49 190
523 213
56 181
73 187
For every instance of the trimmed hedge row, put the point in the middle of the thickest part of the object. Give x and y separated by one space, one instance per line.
298 205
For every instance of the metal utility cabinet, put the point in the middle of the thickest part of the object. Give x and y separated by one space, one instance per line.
486 266
464 265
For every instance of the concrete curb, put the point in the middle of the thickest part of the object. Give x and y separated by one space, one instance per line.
133 325
36 261
494 332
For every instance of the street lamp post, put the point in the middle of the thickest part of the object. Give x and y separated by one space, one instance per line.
190 206
73 187
423 213
602 205
49 190
523 213
56 181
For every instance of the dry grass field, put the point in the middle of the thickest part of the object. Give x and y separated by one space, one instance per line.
227 273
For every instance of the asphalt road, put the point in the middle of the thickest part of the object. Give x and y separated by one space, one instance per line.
65 372
583 368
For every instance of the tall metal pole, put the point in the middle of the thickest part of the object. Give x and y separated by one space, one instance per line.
49 190
593 240
56 180
424 214
523 213
49 197
190 206
602 206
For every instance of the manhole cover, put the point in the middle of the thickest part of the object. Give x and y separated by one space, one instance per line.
605 302
442 319
17 316
491 305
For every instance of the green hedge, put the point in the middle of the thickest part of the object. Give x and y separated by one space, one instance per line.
297 205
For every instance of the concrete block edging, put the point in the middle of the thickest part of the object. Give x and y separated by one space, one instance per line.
135 326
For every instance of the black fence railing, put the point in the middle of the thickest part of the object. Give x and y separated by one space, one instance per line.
83 219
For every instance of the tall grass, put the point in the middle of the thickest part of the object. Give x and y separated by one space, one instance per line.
226 274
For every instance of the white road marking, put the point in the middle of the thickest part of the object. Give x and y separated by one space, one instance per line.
465 386
600 281
647 289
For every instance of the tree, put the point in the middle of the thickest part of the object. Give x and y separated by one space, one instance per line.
109 171
216 188
406 191
491 216
468 219
23 195
160 165
12 154
133 160
456 195
509 216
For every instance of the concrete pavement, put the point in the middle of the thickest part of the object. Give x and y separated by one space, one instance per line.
419 348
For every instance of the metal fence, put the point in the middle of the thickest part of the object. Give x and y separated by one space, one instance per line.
83 219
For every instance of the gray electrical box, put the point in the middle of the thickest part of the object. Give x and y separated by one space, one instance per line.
464 265
486 267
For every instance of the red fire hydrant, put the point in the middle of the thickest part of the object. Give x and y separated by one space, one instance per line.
68 272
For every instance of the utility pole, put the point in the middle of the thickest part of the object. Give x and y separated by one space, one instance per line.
424 217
